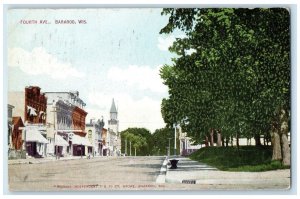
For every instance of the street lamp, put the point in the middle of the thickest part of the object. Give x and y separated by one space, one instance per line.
130 147
54 129
169 146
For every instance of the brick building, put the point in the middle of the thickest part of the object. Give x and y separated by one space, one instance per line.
31 106
35 105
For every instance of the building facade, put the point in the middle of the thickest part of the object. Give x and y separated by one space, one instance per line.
59 124
94 135
79 141
105 148
66 124
9 125
17 137
31 107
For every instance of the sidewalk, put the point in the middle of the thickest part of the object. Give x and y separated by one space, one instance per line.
188 170
193 172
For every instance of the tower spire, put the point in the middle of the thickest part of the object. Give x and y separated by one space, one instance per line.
113 108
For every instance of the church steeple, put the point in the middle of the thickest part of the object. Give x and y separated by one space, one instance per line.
113 107
113 111
113 129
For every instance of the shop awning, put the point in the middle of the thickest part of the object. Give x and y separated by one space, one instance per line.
77 140
33 135
60 141
87 142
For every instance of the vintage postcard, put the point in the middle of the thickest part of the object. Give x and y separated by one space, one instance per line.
146 99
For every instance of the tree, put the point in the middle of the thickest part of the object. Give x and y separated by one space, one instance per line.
237 76
161 139
140 138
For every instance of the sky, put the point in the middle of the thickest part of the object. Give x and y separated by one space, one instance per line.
116 54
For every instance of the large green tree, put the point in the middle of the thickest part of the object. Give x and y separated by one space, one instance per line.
231 74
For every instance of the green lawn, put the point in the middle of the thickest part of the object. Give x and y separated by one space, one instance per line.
246 158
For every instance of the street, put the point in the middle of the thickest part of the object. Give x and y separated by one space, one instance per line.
135 173
104 173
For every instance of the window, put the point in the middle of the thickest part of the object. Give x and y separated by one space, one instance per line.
90 134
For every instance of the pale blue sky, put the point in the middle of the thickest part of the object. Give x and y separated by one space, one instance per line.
116 54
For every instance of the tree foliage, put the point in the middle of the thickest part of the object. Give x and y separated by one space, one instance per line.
232 70
147 143
161 139
140 138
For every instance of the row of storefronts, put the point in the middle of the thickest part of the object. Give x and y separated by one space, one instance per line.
52 124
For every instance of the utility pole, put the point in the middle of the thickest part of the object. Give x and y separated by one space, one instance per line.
125 147
130 147
169 146
54 129
175 140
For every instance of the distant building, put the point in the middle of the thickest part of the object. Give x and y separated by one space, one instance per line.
186 143
94 135
113 131
105 148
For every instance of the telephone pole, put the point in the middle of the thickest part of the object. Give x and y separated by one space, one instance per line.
130 147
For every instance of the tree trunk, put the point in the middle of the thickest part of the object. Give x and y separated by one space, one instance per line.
206 141
286 152
223 141
227 141
237 140
276 143
219 139
257 140
212 137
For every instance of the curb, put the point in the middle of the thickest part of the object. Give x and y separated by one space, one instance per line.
161 178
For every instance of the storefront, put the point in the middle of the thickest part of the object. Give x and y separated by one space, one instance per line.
79 144
60 146
36 143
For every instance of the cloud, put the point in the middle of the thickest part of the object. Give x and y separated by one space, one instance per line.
144 112
39 62
165 43
141 77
